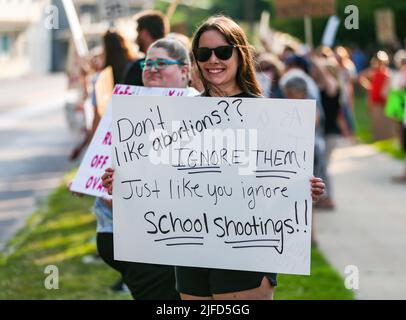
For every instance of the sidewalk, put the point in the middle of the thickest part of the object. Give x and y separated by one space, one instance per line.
34 146
368 227
31 90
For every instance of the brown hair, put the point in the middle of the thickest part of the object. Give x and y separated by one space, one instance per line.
234 35
155 22
117 54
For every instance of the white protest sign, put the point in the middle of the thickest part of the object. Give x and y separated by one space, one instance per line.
113 9
330 31
98 155
213 182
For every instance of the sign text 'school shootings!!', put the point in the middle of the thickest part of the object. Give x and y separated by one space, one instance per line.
213 182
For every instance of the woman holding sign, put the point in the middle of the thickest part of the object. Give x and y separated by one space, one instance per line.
167 65
225 63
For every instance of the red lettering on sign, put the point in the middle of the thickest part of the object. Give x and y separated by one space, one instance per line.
99 161
107 138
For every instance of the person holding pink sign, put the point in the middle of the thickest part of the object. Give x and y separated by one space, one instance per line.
167 65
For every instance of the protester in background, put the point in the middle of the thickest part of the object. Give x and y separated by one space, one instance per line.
77 71
118 55
151 26
325 73
166 65
268 72
359 59
395 107
375 80
296 88
288 52
298 67
347 75
115 53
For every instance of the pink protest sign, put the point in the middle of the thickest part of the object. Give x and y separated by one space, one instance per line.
98 155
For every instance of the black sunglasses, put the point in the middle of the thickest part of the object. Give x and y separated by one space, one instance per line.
223 52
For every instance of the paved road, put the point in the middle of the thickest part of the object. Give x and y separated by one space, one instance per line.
368 229
34 144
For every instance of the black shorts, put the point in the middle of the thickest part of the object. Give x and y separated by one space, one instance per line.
205 282
145 281
404 137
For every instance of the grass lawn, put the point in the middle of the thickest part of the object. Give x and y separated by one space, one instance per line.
63 232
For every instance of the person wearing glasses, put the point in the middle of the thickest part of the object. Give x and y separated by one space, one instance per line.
226 67
167 65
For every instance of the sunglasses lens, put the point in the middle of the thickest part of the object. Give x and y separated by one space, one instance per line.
224 52
203 54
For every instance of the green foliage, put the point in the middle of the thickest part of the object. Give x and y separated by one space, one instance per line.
323 283
363 130
365 36
60 234
189 16
240 9
246 10
391 147
362 120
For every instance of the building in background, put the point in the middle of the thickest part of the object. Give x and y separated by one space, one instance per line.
25 45
29 45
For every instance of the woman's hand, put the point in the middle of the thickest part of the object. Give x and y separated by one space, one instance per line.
107 179
318 187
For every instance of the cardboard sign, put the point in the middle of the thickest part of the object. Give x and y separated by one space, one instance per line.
98 155
213 182
385 26
104 87
302 8
114 9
